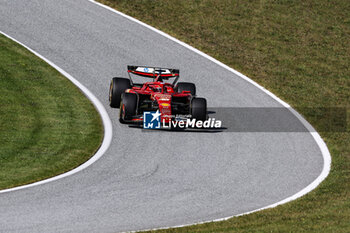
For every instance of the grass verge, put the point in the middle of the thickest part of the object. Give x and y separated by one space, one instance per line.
47 126
299 50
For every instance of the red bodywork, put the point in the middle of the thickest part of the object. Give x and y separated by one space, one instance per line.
161 93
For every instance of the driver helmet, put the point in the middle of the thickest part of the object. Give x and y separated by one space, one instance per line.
157 88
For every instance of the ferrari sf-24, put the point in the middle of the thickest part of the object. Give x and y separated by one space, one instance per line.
173 100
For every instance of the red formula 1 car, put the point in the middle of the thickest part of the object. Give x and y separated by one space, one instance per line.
170 99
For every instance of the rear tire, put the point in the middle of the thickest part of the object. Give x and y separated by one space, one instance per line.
184 86
199 109
116 89
128 107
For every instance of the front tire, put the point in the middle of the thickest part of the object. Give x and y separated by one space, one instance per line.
128 107
116 89
199 109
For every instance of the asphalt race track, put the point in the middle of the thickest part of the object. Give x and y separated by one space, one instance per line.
159 178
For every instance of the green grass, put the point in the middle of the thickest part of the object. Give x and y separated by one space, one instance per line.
47 126
299 50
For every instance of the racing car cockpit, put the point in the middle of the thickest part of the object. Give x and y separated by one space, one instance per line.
156 88
153 88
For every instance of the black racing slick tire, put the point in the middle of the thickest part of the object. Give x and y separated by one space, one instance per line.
184 86
128 107
199 109
116 89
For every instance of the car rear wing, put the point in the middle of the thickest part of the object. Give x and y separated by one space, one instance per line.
154 72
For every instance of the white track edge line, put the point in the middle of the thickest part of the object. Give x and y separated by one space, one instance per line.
107 124
322 145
